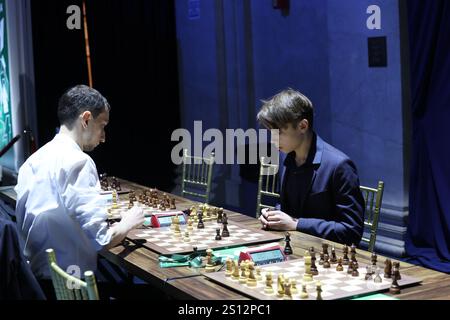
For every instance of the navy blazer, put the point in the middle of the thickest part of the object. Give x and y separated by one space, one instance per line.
17 282
334 207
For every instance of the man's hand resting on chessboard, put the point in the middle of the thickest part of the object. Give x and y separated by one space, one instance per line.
131 219
277 220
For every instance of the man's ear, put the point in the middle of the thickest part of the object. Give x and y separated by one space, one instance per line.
303 125
85 117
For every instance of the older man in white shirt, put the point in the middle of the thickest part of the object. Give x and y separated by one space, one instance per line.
59 204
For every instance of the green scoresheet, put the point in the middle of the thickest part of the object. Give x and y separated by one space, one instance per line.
6 133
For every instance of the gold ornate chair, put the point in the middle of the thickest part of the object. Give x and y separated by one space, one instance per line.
197 176
68 287
268 185
372 198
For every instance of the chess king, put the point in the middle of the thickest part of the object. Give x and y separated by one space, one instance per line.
71 217
320 192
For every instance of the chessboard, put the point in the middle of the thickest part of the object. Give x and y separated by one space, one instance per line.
152 202
115 211
334 284
165 241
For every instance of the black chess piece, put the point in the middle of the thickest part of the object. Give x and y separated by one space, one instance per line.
388 268
219 215
396 270
333 259
313 268
218 237
373 258
325 248
350 267
225 232
200 224
287 247
321 259
355 272
326 261
395 288
355 262
345 259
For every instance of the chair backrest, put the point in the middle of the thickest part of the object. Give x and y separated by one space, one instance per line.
197 176
68 287
268 185
372 198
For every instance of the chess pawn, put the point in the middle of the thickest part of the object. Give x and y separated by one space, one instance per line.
294 286
395 288
345 259
177 230
333 259
396 270
190 227
235 275
339 267
243 276
218 237
247 267
186 237
268 288
304 293
350 267
200 224
172 204
321 259
319 291
355 272
229 270
287 290
258 274
326 262
209 264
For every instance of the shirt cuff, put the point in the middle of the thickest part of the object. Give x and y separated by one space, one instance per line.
304 224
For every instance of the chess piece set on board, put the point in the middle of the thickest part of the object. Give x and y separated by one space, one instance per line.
246 273
199 216
152 199
307 278
109 186
391 270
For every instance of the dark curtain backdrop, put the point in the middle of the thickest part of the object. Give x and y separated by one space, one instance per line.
134 65
428 237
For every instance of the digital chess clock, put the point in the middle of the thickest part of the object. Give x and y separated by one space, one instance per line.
263 255
158 220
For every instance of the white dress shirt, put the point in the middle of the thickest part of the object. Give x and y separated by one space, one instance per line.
59 206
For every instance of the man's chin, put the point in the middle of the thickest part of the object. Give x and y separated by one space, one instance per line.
88 148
